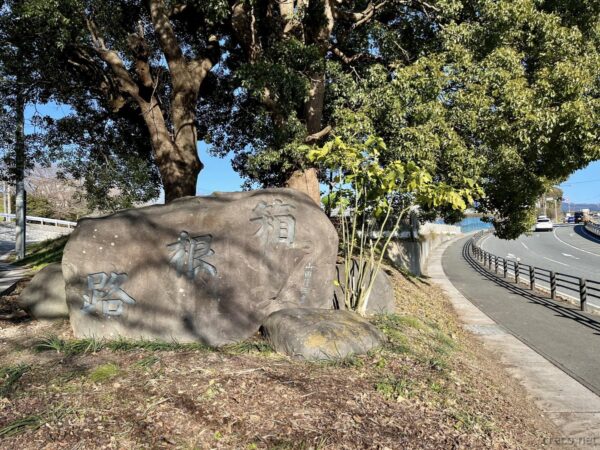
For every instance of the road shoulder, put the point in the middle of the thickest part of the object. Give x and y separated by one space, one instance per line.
571 406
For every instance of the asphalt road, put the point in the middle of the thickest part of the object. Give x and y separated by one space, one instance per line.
558 331
35 233
568 249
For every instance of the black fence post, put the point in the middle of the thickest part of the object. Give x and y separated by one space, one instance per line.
496 265
504 267
583 294
517 269
552 285
531 278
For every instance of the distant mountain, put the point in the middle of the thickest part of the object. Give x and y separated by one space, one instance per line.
579 206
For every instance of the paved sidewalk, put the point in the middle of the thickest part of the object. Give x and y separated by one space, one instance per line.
9 276
573 407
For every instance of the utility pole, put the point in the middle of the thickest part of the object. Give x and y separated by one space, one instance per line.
21 195
4 207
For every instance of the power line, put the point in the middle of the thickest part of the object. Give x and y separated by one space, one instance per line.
580 182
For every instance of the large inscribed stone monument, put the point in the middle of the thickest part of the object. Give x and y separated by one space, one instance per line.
206 269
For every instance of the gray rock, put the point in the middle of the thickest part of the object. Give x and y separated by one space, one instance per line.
382 299
44 297
207 269
320 334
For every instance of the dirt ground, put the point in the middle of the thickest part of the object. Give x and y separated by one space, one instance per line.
432 387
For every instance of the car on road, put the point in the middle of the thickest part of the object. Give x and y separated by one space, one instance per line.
543 224
581 216
571 219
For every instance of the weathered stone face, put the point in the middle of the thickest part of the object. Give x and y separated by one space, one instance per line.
316 334
44 296
382 299
206 269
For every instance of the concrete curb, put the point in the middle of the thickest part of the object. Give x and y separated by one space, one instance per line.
572 407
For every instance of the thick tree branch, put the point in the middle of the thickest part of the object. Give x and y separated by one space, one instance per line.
363 16
315 137
243 23
350 59
166 37
141 52
110 57
199 67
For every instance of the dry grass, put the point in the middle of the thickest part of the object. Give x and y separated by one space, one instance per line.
433 386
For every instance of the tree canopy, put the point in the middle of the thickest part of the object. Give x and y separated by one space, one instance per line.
503 93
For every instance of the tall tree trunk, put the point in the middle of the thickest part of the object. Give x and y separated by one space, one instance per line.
174 144
307 180
176 153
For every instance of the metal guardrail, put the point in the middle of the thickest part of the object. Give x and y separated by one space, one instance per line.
593 228
536 277
41 220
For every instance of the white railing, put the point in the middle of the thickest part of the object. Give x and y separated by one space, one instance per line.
41 220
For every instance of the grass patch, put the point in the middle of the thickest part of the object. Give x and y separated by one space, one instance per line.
104 372
395 388
347 362
69 348
40 254
9 377
34 421
128 345
252 346
147 362
21 425
471 422
91 345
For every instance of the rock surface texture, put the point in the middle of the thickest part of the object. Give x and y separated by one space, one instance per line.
44 297
317 334
207 269
382 299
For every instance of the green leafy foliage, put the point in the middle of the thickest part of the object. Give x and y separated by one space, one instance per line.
366 193
505 94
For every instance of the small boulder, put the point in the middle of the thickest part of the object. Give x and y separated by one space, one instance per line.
320 334
45 297
382 299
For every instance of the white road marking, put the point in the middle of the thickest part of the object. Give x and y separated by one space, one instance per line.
572 246
485 239
510 255
557 262
523 244
569 256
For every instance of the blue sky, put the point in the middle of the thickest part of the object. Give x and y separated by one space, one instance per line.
582 186
217 174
